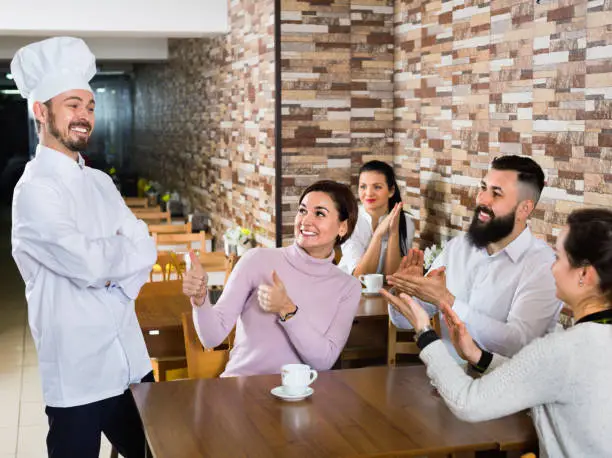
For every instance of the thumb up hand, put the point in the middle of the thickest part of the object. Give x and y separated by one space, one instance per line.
195 281
273 298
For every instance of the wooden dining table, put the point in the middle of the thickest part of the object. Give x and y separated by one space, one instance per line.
374 411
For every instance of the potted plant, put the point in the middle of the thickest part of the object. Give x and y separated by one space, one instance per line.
238 240
430 254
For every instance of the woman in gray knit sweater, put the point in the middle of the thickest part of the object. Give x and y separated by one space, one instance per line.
564 377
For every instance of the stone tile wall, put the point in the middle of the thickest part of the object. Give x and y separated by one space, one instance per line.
437 88
337 92
204 121
477 79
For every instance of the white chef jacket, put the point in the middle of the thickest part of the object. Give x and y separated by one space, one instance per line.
506 299
83 256
356 246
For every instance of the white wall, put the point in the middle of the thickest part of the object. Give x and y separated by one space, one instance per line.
116 49
114 18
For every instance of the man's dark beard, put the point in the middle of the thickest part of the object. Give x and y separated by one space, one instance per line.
75 146
481 234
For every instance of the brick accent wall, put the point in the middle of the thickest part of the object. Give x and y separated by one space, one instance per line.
437 88
204 121
485 78
337 92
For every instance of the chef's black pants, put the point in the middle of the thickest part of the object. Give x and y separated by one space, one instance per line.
76 432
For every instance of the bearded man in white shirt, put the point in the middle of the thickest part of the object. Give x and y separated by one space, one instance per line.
497 276
84 257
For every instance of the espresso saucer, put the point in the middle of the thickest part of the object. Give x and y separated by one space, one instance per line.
365 292
279 392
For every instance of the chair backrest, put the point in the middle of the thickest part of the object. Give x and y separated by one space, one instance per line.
408 347
153 216
139 210
136 202
180 242
202 362
170 228
231 263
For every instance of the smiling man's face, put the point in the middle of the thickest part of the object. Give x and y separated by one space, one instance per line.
70 118
496 205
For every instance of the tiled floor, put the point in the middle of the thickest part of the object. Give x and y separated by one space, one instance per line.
23 423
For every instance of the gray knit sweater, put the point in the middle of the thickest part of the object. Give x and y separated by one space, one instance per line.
565 379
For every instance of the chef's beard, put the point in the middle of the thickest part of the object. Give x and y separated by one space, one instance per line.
481 234
75 146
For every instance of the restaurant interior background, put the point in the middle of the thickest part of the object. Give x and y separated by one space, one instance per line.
238 105
239 122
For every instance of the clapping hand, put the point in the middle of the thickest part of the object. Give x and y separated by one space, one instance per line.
389 222
411 309
273 298
412 263
195 281
462 341
431 288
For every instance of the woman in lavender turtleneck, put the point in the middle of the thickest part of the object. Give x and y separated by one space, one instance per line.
289 305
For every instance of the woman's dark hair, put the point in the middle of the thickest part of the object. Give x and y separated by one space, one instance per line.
343 198
589 242
387 171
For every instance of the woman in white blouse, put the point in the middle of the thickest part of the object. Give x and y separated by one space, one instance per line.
384 232
564 377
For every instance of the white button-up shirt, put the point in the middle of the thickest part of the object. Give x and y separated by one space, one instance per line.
356 246
83 256
506 300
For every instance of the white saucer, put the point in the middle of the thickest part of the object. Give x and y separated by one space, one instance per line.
279 392
369 293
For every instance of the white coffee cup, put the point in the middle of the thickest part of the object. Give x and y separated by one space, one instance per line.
296 378
372 282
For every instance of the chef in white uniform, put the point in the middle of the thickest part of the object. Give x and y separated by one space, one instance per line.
83 257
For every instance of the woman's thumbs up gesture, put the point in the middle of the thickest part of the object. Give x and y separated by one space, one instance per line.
273 298
195 281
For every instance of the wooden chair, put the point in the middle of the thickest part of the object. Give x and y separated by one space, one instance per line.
203 362
138 211
182 242
136 202
154 217
166 229
179 266
408 347
155 229
231 263
170 228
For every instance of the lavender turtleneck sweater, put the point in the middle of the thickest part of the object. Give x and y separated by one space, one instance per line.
326 296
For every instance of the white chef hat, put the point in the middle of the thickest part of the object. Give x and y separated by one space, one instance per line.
47 68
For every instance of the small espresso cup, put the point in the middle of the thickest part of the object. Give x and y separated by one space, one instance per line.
372 282
296 378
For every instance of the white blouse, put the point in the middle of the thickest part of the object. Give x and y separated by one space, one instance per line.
355 247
